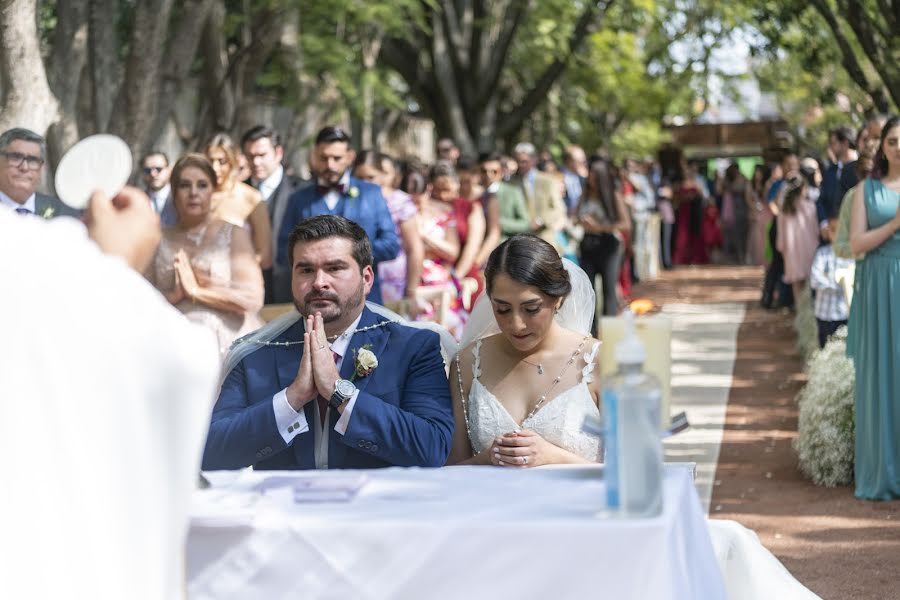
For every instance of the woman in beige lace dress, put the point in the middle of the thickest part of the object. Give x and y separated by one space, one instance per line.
204 266
236 202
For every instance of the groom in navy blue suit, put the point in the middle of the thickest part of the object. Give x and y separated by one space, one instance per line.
335 192
340 388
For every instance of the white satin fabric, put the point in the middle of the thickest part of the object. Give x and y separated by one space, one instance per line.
105 397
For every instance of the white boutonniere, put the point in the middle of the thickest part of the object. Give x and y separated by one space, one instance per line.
353 192
48 212
364 361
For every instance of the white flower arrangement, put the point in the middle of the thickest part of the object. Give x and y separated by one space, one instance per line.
365 362
826 425
805 325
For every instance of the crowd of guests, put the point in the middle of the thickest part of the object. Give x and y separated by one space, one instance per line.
432 227
228 213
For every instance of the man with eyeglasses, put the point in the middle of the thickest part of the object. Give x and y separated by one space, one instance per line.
22 155
155 173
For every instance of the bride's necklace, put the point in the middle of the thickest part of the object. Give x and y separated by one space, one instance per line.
565 368
540 366
540 402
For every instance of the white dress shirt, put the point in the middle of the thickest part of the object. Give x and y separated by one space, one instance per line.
105 407
268 185
29 204
159 198
292 423
332 197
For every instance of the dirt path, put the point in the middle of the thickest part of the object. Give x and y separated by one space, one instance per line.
837 546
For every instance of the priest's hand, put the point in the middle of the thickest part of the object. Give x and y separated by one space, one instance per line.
125 226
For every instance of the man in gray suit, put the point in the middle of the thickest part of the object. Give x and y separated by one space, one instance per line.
262 147
22 156
155 173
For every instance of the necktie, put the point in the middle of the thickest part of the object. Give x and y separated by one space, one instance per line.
323 402
323 190
23 211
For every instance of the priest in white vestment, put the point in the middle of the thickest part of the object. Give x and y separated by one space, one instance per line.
105 396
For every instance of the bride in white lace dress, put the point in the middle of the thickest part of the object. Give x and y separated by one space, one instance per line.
527 374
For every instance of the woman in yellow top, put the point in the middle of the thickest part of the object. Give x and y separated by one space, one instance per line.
236 202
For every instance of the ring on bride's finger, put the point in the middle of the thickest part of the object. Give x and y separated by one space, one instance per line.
524 460
322 347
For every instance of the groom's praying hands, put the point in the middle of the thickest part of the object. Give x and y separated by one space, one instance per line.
317 374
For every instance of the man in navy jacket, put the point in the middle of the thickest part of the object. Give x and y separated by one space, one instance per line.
335 192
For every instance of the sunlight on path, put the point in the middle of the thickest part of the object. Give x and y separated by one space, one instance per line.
704 344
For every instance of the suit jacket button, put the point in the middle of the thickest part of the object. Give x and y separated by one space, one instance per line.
267 450
374 448
259 455
368 445
361 443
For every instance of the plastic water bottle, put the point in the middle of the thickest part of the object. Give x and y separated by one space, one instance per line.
631 405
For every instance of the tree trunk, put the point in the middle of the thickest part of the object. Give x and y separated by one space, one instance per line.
105 68
217 94
179 59
268 30
457 82
849 60
371 48
66 66
25 96
135 110
879 45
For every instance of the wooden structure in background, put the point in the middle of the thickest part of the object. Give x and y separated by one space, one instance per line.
768 139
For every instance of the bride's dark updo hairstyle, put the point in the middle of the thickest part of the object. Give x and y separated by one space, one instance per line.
529 260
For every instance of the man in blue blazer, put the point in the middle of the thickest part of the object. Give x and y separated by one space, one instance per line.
342 387
335 192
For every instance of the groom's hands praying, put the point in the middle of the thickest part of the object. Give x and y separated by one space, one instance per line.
325 373
317 374
303 388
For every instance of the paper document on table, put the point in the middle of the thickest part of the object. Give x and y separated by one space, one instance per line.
313 488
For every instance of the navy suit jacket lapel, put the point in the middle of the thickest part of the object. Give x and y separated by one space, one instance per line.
377 339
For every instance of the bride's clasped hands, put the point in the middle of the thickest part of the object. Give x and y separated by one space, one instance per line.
524 448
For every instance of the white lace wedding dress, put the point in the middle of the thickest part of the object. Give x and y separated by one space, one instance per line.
558 421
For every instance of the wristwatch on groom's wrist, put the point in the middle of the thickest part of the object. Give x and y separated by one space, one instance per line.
343 391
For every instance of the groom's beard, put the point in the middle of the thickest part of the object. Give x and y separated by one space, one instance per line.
334 310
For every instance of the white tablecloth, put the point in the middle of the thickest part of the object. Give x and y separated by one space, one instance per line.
459 532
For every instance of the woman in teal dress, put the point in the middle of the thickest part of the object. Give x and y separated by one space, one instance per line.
874 336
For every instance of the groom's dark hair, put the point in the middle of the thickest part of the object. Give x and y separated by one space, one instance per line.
326 226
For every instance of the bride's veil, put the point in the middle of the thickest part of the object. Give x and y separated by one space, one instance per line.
576 312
